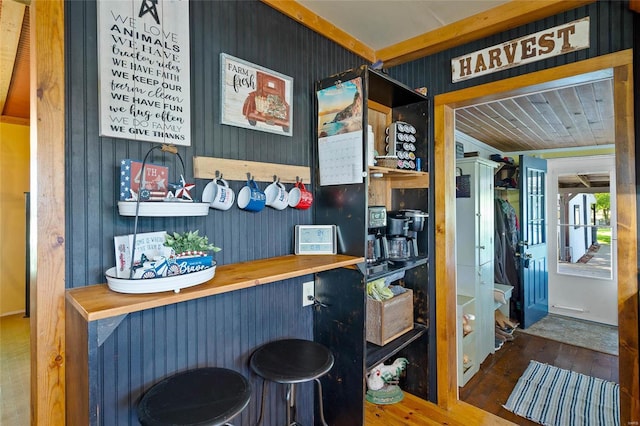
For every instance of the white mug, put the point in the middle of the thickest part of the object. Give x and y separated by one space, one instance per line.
218 194
277 196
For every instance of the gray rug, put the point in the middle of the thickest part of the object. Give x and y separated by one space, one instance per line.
586 334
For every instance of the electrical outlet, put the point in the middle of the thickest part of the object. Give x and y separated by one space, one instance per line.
308 293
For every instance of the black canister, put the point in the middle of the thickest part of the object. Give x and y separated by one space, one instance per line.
417 219
397 224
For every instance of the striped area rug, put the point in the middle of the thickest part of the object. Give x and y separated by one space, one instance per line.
555 397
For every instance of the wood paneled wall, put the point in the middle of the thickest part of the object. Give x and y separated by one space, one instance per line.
220 330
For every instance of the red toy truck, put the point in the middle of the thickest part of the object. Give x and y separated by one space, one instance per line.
267 103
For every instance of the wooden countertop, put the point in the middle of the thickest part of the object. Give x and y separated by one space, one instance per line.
96 302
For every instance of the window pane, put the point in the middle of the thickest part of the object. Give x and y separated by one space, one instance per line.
584 227
535 208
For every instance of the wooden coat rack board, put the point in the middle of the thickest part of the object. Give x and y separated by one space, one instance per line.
206 168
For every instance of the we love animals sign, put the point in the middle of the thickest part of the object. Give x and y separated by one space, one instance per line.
534 47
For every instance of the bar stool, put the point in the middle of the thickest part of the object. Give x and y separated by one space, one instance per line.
292 361
203 396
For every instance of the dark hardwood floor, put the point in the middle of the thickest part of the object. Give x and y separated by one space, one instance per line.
490 388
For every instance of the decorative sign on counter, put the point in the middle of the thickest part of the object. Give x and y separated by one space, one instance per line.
545 44
149 245
255 97
144 70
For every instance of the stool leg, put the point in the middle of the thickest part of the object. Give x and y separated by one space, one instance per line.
264 398
320 402
291 402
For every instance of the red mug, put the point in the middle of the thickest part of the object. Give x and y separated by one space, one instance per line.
299 197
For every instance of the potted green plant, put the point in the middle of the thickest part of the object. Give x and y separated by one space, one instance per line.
189 243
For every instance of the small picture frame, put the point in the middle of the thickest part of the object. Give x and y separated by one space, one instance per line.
315 239
254 97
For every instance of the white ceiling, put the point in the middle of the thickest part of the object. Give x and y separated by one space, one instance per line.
382 23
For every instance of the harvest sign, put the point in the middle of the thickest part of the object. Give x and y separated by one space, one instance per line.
534 47
144 70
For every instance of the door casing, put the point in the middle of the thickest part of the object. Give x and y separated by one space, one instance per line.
444 161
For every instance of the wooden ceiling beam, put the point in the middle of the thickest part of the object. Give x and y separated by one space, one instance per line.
576 191
584 180
484 24
11 17
481 25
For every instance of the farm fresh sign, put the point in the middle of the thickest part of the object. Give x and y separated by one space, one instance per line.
144 75
534 47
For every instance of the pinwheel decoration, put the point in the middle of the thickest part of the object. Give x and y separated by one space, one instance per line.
184 191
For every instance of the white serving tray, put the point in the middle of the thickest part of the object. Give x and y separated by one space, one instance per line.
156 285
163 208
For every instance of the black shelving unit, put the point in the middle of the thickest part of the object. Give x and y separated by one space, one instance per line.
397 267
377 354
341 325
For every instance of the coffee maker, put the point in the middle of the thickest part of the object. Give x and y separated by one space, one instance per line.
402 231
377 249
417 220
397 232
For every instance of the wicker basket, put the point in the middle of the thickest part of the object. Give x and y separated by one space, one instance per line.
389 162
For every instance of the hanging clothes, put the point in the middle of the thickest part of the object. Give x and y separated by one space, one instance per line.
506 264
511 222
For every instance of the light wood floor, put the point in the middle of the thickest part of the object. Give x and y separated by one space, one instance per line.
14 370
492 385
408 412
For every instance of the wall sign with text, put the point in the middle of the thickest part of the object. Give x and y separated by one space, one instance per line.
255 97
144 70
531 48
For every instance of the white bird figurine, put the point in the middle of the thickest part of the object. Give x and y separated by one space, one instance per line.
382 374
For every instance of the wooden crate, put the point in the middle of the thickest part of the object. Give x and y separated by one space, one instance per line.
389 319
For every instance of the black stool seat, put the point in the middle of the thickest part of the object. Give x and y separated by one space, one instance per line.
204 396
292 361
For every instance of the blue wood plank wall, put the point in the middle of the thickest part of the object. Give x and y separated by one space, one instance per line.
223 330
220 330
611 28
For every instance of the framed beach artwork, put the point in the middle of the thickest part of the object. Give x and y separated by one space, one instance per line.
254 97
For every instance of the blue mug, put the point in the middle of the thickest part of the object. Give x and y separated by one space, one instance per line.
251 198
